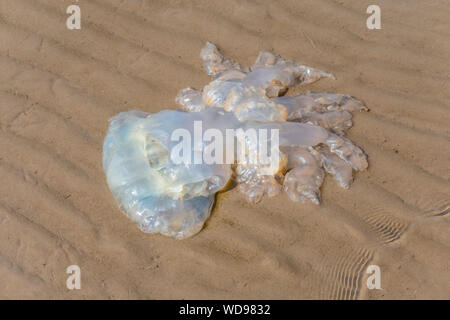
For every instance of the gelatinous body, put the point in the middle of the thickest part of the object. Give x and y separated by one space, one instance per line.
174 197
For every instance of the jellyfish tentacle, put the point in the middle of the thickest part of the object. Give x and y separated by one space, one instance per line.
303 181
215 62
336 121
190 100
276 74
256 186
337 101
347 151
301 105
340 170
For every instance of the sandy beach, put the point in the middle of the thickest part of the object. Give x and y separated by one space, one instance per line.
59 88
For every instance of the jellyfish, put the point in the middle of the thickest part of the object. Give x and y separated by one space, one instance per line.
164 169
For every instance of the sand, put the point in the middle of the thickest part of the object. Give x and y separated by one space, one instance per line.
59 87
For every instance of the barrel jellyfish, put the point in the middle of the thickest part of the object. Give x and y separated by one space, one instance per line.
156 167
